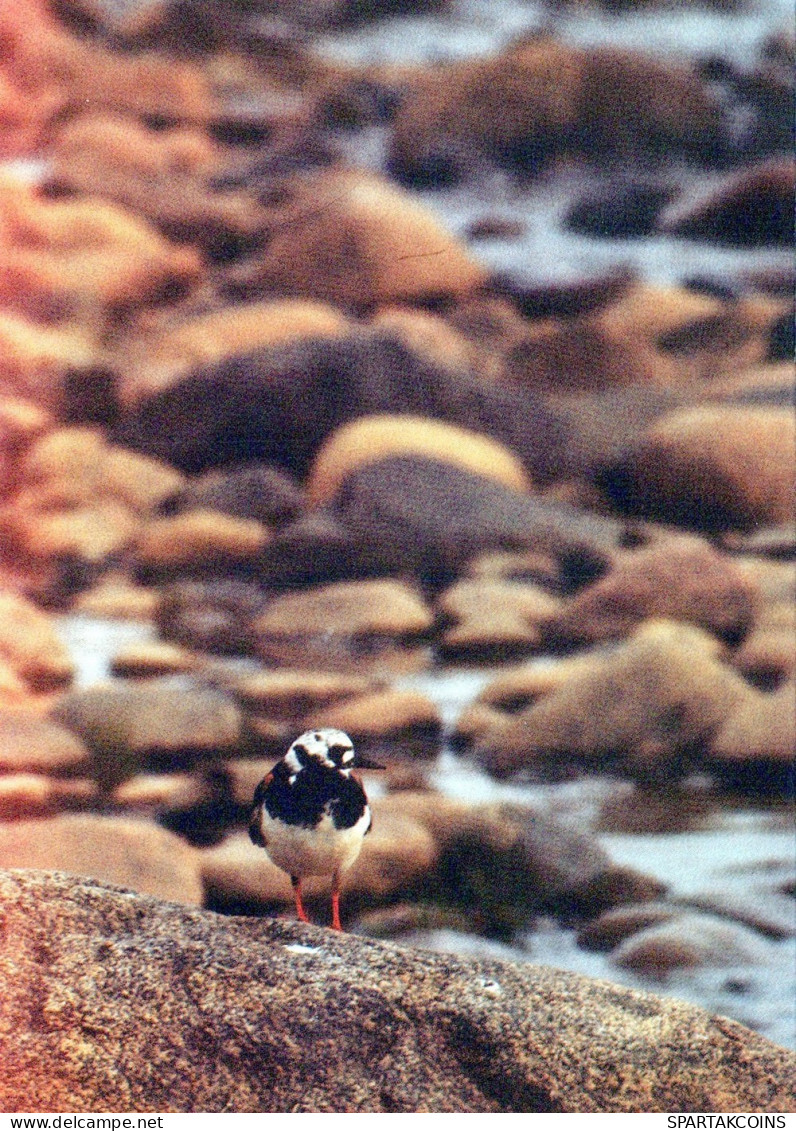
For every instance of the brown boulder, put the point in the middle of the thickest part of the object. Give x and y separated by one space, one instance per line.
531 101
654 702
761 730
315 1021
199 539
163 175
682 578
713 467
356 240
687 940
128 725
369 439
35 744
388 723
30 646
160 356
370 624
134 854
24 795
291 694
492 619
86 250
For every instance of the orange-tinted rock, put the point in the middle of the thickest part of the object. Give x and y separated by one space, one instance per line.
34 744
385 723
492 619
34 356
357 240
88 533
761 730
162 175
24 795
30 646
133 854
115 597
428 334
714 466
153 658
369 439
85 251
284 694
76 465
199 538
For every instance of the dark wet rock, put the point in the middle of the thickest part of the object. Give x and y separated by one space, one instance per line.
254 490
316 549
130 725
135 854
567 299
278 405
629 211
210 616
618 923
370 439
359 625
711 467
495 227
782 340
688 940
603 426
682 578
33 744
649 708
753 208
167 986
428 517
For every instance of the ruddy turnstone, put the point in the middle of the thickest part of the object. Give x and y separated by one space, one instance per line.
311 813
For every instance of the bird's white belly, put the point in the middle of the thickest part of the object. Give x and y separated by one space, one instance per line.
313 852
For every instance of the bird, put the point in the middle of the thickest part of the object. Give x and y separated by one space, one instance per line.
311 812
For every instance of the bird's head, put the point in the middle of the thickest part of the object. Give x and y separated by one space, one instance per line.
327 747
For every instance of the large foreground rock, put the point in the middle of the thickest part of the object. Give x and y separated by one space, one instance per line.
116 1002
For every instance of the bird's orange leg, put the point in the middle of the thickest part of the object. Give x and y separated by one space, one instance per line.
302 914
336 924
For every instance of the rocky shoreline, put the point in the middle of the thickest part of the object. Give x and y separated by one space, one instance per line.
261 400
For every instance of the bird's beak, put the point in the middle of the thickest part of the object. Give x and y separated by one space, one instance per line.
362 762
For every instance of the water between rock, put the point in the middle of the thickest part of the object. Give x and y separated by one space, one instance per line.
730 853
